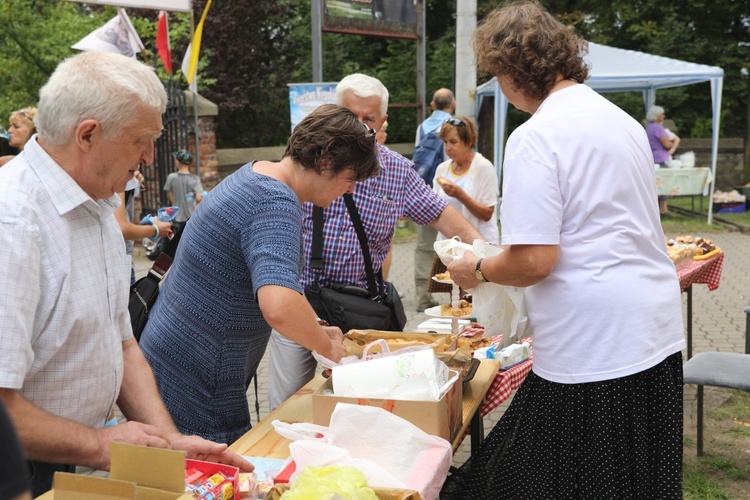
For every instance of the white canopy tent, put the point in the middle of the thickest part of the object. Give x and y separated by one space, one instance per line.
620 70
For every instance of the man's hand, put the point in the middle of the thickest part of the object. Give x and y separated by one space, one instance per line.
202 449
128 432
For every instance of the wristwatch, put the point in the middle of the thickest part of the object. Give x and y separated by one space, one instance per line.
478 272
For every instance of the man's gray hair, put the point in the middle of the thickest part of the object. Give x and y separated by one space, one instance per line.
109 88
363 86
653 113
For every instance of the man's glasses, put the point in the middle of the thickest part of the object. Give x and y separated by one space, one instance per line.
456 122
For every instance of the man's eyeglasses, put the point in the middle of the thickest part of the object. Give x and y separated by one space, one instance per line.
456 122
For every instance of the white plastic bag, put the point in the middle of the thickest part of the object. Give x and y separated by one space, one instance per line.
390 451
450 250
499 309
416 376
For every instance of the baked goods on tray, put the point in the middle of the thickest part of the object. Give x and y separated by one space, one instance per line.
463 309
443 276
688 247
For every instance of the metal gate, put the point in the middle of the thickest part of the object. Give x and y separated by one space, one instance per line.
173 137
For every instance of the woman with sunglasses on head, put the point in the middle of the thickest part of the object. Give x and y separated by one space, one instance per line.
20 131
468 180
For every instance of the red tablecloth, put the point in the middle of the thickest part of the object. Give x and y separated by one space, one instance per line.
702 272
706 272
506 381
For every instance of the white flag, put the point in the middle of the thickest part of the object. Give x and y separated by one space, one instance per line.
193 86
118 36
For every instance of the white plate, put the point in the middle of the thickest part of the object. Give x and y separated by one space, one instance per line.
435 313
447 282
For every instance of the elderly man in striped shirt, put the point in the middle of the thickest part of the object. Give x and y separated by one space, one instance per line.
397 192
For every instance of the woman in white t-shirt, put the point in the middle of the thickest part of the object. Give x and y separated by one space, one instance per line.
600 416
468 180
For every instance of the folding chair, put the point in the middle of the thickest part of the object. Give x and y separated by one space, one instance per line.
718 369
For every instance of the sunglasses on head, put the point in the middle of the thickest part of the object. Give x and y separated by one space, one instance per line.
369 132
455 122
25 114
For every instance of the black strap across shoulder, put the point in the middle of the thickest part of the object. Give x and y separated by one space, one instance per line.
316 258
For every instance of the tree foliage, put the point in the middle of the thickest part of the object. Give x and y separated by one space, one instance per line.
253 48
35 36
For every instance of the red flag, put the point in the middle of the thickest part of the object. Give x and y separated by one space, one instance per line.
162 42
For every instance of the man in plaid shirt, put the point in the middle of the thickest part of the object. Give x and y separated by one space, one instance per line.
397 192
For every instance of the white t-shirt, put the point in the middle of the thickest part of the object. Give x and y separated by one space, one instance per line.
480 182
579 174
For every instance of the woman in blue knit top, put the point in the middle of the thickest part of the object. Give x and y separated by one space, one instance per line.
236 275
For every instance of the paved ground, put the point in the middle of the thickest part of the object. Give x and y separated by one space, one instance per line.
718 319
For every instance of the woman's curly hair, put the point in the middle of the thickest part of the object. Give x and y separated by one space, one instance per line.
524 42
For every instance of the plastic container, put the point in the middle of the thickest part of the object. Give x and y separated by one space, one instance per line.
688 159
675 164
732 207
164 214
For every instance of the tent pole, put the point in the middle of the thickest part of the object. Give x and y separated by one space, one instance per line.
716 88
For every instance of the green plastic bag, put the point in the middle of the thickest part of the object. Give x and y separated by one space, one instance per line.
323 483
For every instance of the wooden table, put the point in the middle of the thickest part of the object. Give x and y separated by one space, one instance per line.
263 441
706 272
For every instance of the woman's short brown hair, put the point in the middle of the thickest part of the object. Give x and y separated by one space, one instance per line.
464 127
333 137
524 42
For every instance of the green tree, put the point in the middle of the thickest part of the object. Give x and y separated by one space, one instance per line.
35 36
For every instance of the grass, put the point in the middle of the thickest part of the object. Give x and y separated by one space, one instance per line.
682 224
724 470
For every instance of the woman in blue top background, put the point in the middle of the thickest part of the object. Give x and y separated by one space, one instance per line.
236 275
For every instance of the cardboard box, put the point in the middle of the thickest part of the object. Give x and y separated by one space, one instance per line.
136 472
442 418
356 340
729 208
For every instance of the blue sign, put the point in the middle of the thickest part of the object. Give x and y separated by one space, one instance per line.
305 97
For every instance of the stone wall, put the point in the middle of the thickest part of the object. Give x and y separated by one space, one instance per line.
729 160
729 164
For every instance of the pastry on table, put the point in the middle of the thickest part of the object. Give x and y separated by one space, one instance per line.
464 309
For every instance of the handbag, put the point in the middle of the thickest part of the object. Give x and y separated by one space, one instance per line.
143 292
349 307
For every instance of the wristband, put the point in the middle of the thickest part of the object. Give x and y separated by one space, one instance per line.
157 229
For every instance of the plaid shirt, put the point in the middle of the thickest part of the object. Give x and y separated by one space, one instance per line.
396 192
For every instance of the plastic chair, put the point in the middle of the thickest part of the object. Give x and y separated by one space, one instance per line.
718 369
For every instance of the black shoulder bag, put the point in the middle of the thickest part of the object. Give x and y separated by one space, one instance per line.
143 292
349 307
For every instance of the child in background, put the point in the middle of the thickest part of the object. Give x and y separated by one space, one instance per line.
183 188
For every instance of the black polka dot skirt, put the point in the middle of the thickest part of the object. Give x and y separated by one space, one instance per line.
615 439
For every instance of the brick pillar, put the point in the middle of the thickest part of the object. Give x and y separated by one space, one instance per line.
207 113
